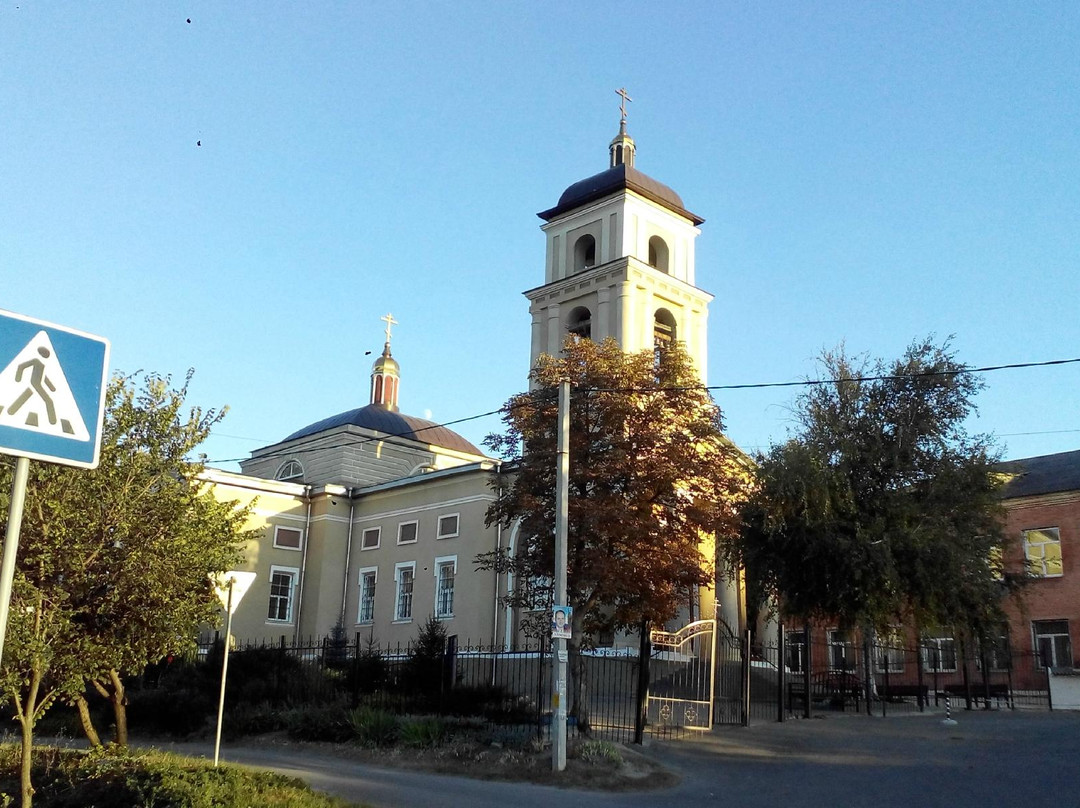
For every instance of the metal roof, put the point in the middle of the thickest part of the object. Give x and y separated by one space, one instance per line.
1047 474
619 178
379 419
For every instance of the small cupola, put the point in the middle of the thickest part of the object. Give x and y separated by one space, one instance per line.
385 374
622 147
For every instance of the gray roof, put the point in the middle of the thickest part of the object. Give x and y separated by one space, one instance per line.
619 178
1047 474
379 419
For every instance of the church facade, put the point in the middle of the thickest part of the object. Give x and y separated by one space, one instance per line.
371 519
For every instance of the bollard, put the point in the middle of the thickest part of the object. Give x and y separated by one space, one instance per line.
948 713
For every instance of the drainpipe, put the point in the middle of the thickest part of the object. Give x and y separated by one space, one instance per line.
498 546
348 553
303 566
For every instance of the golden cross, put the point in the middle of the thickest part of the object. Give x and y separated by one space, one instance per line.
389 320
622 106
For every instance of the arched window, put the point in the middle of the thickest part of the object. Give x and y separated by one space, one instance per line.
658 253
664 328
580 322
290 470
584 253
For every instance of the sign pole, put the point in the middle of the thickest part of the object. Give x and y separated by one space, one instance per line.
558 662
11 543
224 670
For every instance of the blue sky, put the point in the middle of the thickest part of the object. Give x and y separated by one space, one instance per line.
869 173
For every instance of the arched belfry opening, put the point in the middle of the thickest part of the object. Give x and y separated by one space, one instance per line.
664 328
579 323
584 253
658 253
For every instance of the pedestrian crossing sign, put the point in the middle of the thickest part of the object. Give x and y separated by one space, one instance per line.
52 391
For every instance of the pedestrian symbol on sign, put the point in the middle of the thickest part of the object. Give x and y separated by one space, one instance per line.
35 396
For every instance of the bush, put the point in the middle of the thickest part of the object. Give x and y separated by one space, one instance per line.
599 752
164 712
373 727
319 724
425 670
423 732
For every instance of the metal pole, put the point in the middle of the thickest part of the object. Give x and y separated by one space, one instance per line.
562 484
11 543
644 655
781 670
224 670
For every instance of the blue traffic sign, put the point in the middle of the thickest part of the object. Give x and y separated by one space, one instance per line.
52 391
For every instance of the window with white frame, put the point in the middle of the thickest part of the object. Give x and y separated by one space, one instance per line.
288 538
290 470
282 589
445 570
406 532
404 577
841 650
889 651
369 576
448 526
369 539
1053 645
1042 551
939 651
994 650
795 650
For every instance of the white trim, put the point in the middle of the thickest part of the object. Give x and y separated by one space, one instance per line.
457 525
416 533
363 571
294 573
1027 559
398 567
378 538
446 503
440 562
300 544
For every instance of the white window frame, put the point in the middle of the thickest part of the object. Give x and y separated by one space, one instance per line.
946 646
363 538
1035 636
288 464
362 595
889 652
795 650
457 526
300 544
416 532
440 563
294 576
843 641
398 568
1041 561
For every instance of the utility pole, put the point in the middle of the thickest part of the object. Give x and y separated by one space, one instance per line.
558 644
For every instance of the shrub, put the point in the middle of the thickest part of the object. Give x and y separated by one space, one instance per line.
600 752
330 724
425 669
423 732
369 670
167 712
372 727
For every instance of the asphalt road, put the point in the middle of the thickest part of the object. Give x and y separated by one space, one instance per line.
1028 759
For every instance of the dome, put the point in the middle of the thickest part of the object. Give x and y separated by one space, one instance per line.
386 364
379 419
621 177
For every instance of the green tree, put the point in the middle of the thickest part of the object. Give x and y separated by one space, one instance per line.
881 507
114 562
653 484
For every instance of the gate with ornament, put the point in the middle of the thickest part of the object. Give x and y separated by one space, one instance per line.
681 677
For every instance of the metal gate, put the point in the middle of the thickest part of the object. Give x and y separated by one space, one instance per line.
681 677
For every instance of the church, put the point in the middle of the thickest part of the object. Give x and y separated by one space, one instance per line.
371 519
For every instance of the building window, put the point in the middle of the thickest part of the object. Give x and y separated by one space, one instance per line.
995 651
889 652
580 323
1042 550
288 538
290 470
282 587
445 569
448 526
939 652
1052 643
658 253
369 540
368 579
841 650
404 574
584 253
664 329
795 651
406 533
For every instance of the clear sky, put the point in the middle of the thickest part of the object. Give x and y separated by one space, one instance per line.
246 188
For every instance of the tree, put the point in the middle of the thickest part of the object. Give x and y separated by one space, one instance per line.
880 507
653 483
114 562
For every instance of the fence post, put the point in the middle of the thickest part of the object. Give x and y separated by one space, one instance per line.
868 675
807 657
644 656
919 678
781 670
746 678
966 672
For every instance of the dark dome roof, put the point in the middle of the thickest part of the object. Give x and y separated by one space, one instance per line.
380 419
619 178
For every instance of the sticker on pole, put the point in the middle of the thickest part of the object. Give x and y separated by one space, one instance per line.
52 391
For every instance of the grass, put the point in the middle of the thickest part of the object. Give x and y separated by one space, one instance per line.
68 778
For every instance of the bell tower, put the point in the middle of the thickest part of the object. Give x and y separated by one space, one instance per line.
620 263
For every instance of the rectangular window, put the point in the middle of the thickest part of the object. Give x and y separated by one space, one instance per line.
445 569
448 526
368 579
1042 551
369 540
939 652
282 587
995 651
1052 643
288 538
841 650
406 533
795 651
889 651
404 574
